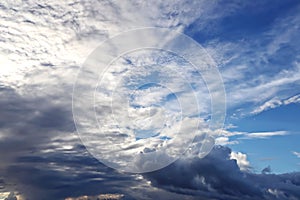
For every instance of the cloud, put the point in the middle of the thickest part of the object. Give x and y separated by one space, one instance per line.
268 87
266 170
42 46
101 196
296 154
59 37
219 177
60 159
61 34
293 99
28 124
263 135
225 137
11 196
68 174
241 160
273 103
259 69
225 141
48 150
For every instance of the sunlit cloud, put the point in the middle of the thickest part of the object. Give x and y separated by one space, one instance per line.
264 135
296 154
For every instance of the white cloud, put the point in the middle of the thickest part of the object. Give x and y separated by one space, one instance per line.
277 193
296 154
263 135
250 68
225 141
293 99
266 88
158 93
43 47
275 102
224 137
241 159
62 34
100 196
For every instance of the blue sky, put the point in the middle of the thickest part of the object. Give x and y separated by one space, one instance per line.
63 135
277 148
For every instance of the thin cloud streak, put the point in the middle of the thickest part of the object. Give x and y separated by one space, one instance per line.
263 135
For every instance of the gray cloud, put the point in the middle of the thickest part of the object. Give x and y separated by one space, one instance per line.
41 157
266 170
217 176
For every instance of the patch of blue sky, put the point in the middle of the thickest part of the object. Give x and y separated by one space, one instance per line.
275 151
254 28
284 117
143 134
249 20
279 147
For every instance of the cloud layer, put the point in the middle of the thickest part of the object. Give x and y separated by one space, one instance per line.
42 46
218 176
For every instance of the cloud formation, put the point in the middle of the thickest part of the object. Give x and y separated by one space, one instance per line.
273 103
263 135
241 160
296 154
218 176
42 45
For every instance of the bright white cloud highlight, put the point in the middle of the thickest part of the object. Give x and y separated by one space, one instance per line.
275 102
296 154
241 160
225 141
265 134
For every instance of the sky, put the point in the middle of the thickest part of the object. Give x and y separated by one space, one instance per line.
150 99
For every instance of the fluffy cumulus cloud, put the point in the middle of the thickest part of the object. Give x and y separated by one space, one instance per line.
241 160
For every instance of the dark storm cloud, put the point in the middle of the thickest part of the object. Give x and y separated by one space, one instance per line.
217 176
34 133
59 175
41 156
22 113
26 124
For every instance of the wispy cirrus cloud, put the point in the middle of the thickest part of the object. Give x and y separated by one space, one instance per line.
232 138
264 135
275 102
260 68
